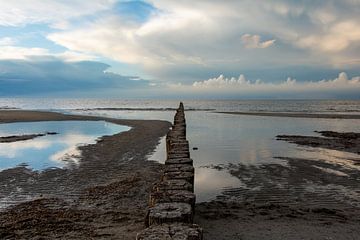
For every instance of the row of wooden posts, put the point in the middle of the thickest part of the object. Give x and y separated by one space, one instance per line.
172 200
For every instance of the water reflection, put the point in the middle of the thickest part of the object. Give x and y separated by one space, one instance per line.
159 154
59 150
209 183
251 140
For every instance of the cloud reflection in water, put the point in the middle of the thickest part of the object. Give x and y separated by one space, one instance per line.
52 150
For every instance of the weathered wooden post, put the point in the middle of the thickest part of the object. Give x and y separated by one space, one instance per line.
172 200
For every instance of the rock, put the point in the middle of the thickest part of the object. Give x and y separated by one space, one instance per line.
187 176
170 213
179 145
171 161
177 154
172 196
176 231
173 184
179 167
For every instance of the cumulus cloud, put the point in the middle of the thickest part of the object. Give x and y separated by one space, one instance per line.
254 41
241 86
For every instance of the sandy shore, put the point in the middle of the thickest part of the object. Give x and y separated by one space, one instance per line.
17 138
296 115
348 142
105 197
299 199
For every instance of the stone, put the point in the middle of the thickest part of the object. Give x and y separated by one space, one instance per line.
175 231
172 196
171 161
172 155
179 145
173 184
187 176
170 213
179 167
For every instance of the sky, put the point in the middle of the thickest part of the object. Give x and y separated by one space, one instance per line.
180 49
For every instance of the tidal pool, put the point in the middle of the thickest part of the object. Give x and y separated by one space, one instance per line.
51 151
224 139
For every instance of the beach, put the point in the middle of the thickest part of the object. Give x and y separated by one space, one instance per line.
107 196
302 199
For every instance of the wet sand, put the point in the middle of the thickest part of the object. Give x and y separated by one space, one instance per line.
297 115
298 199
17 138
105 197
348 142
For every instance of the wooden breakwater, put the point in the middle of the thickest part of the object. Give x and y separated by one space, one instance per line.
172 199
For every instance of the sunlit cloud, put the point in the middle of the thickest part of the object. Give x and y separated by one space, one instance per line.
254 41
12 52
338 38
187 41
55 13
241 85
6 41
221 82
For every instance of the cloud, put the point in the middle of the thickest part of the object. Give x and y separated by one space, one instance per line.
340 36
46 76
242 87
23 53
13 52
7 41
241 83
184 41
55 13
183 37
253 41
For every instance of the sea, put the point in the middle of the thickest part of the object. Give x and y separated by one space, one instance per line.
219 139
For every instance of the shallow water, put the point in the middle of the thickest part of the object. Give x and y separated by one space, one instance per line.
228 139
232 139
60 150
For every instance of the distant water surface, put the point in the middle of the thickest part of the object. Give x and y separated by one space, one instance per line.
309 106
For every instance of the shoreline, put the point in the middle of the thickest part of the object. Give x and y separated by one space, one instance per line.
300 199
109 201
296 115
24 137
105 197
